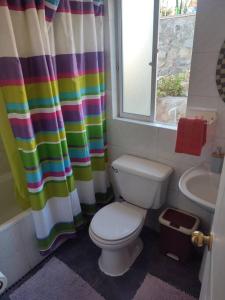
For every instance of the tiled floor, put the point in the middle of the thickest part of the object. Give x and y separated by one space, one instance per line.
81 255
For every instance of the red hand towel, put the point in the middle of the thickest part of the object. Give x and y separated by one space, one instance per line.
191 136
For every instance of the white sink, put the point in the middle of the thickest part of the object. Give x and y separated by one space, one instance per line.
201 186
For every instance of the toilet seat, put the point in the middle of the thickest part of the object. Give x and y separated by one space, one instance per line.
114 243
115 229
117 222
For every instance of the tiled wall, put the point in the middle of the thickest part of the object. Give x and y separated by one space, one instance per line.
209 37
158 143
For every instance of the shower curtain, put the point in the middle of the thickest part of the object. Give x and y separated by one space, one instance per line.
52 100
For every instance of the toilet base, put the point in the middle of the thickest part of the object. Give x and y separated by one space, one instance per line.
117 262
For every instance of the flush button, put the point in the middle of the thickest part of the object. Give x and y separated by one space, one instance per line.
115 170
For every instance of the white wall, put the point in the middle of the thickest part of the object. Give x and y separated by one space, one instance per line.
209 37
158 143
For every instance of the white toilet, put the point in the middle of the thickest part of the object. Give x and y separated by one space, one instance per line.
116 227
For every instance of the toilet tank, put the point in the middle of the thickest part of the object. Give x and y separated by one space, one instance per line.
140 181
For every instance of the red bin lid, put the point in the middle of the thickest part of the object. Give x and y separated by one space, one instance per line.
179 220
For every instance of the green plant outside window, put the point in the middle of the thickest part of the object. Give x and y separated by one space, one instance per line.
171 85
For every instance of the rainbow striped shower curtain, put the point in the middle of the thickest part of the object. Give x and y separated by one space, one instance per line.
52 89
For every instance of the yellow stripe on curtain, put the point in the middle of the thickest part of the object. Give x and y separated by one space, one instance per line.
14 158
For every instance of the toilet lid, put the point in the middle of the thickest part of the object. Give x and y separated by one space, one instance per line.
117 220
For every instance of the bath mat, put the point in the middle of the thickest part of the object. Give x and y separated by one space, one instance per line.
55 281
155 289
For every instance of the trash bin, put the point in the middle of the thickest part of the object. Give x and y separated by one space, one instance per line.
176 227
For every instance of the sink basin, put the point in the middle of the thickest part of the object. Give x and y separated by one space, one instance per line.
201 186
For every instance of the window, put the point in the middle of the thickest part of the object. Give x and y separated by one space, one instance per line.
155 40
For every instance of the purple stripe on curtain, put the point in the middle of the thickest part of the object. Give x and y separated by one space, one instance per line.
26 128
77 160
49 13
72 116
23 132
21 5
42 68
80 7
50 9
100 151
92 108
66 6
49 174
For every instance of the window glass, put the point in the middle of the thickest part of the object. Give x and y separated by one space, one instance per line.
137 37
155 50
175 43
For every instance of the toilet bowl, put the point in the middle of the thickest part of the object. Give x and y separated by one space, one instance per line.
116 227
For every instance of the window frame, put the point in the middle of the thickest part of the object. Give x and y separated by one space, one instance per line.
152 64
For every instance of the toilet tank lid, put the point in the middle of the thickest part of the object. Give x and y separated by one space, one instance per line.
142 167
